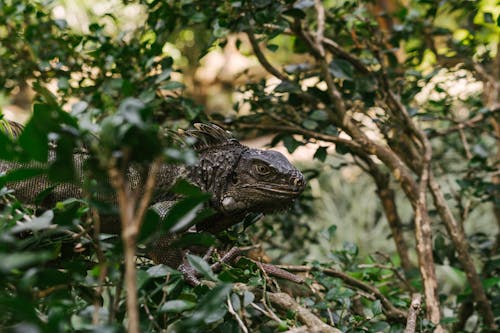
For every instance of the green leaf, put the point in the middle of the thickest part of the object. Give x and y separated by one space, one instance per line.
287 87
161 271
21 174
38 223
212 306
341 148
309 124
248 297
488 17
186 188
235 301
22 260
195 239
291 144
164 76
63 168
46 119
201 266
177 306
184 213
130 110
150 225
172 85
295 13
376 307
319 115
272 47
341 69
321 153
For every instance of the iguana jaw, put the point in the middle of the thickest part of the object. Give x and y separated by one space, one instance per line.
286 190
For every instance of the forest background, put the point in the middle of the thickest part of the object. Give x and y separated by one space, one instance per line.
391 109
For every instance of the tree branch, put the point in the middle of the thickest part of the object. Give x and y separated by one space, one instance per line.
262 58
461 246
411 322
388 308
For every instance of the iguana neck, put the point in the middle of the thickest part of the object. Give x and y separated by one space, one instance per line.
214 170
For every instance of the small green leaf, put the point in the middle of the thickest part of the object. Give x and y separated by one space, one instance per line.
160 271
235 302
177 306
376 307
184 213
172 85
291 144
309 124
21 174
186 188
341 69
319 115
201 266
321 153
38 223
248 298
21 260
195 239
272 47
488 17
295 13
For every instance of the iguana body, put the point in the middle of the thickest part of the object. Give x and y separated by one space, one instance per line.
241 180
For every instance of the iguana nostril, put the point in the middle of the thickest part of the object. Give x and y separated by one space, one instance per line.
298 182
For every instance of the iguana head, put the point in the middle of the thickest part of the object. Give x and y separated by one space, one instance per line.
242 179
262 181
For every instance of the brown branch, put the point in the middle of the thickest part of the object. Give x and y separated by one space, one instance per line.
411 322
126 203
280 273
458 237
320 10
388 201
103 264
337 50
286 303
329 44
423 231
423 236
131 220
299 130
388 308
465 310
471 123
148 193
262 58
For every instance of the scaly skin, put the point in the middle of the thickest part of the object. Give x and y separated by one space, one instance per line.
240 179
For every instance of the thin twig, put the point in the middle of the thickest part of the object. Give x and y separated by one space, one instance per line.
230 308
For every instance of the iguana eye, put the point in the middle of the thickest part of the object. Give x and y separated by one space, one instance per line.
262 169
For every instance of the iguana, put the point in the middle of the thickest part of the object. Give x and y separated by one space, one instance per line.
241 180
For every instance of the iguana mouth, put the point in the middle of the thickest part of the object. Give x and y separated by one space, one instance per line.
286 190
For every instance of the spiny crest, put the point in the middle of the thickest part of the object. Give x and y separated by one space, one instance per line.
209 135
11 128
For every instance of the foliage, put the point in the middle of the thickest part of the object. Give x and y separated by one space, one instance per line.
351 74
